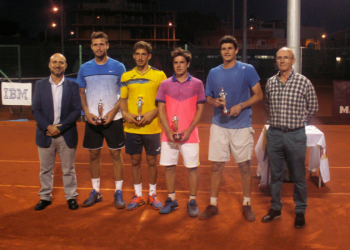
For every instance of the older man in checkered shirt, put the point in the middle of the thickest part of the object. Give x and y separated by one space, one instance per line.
291 102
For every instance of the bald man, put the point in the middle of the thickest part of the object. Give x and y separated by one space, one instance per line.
291 102
56 107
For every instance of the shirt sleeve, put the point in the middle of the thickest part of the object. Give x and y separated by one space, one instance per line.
201 94
161 93
124 92
122 70
80 79
208 88
311 102
253 76
267 95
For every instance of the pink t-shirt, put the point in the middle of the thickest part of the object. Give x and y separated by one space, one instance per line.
181 99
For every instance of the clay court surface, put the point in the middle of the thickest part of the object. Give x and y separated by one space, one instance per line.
104 227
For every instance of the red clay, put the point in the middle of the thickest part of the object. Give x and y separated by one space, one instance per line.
105 227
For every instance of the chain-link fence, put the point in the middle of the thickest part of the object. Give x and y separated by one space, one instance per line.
320 66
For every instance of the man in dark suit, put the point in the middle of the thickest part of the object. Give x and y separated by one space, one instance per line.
56 107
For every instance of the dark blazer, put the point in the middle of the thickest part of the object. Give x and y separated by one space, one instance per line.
44 114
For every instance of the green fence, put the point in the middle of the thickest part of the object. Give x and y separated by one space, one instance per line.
30 63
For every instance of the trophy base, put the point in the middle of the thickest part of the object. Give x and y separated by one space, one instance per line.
139 118
177 137
225 111
99 121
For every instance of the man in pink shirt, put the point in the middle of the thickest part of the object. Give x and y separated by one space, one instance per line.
181 101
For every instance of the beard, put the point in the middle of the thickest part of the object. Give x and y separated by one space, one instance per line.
57 74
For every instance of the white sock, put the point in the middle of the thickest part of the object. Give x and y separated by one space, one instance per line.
214 201
118 185
172 196
152 189
192 197
96 184
246 201
138 189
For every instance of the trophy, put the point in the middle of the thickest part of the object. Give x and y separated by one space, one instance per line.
99 120
139 108
177 136
223 94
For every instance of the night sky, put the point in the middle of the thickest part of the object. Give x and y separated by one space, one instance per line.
332 15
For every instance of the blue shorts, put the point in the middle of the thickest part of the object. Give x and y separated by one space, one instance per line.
135 142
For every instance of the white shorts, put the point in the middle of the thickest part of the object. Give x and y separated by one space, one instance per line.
170 154
239 142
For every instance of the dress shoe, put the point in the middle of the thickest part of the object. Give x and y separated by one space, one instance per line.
72 204
271 215
299 221
42 204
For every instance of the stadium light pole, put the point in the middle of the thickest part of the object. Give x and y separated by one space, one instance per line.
233 18
324 41
55 9
293 31
169 24
244 38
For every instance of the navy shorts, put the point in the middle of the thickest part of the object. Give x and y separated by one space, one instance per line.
113 132
135 142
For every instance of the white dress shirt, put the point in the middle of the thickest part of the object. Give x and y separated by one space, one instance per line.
57 90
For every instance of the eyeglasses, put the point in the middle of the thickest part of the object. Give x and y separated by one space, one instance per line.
285 58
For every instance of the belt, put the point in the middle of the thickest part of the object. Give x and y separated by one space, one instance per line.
285 130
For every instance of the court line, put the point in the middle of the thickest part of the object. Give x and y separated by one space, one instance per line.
128 164
110 164
162 191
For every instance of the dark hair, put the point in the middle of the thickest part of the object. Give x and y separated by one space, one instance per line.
181 52
143 45
99 34
228 39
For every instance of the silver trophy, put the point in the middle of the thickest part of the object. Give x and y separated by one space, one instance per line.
99 120
139 109
223 94
177 136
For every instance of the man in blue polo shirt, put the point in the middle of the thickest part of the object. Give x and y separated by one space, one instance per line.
99 81
228 87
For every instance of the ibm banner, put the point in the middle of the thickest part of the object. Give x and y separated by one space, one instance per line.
341 101
13 93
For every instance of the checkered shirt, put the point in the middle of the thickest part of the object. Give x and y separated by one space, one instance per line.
293 105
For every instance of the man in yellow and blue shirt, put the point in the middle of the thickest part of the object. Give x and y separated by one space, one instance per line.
142 127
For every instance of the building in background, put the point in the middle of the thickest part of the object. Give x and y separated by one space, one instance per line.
261 35
126 22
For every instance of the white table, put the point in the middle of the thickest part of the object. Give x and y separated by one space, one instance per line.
317 159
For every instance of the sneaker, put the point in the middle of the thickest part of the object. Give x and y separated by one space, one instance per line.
248 213
169 206
271 215
118 199
153 200
94 197
299 221
192 208
209 212
135 203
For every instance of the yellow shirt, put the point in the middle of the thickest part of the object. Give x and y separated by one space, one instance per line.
135 85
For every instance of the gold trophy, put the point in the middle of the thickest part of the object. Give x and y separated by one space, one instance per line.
139 109
99 120
223 94
177 136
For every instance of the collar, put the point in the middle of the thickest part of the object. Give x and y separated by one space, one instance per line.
187 80
138 72
60 83
289 76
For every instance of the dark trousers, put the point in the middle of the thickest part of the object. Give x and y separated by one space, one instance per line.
290 146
